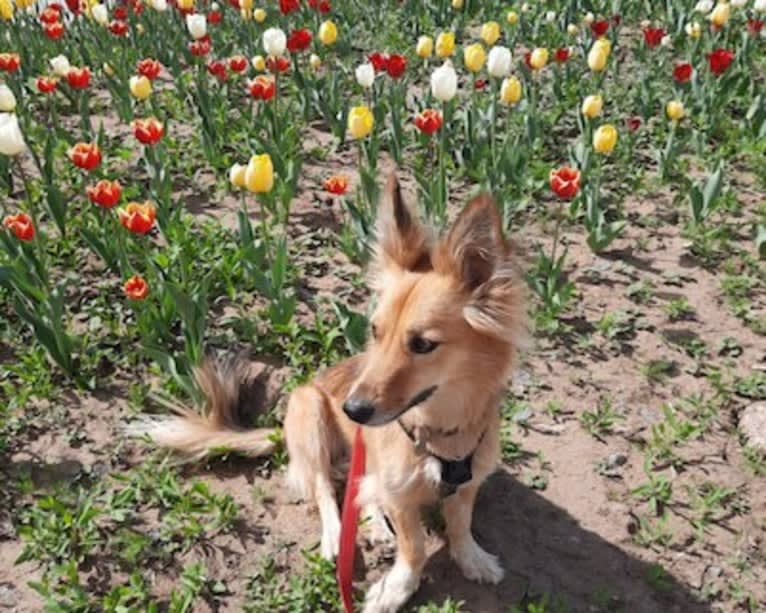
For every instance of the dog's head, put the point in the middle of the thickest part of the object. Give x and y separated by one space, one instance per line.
448 316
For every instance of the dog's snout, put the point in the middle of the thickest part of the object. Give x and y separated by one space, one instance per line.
358 409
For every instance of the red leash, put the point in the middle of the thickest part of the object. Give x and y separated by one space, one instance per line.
349 523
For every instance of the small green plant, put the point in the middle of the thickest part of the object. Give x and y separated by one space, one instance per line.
657 371
657 491
679 309
601 421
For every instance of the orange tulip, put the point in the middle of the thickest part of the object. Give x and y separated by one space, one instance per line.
105 193
21 225
85 155
136 288
148 131
337 184
138 218
565 182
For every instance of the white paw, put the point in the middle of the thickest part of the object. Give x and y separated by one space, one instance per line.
376 529
476 564
390 593
330 537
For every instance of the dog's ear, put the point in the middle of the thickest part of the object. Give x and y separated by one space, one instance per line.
402 242
474 247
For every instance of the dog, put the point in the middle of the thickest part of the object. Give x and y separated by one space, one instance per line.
445 332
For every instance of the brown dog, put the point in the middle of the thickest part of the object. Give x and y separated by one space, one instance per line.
448 322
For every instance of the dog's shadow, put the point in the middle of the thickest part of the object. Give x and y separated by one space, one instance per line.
548 555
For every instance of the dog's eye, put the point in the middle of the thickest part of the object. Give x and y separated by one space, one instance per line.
420 344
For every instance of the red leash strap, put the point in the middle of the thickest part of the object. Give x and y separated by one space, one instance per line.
349 523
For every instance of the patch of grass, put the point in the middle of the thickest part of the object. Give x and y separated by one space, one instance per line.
601 421
658 370
679 309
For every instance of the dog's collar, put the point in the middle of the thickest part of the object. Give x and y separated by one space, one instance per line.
454 473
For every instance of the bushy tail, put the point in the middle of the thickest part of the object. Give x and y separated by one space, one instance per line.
219 428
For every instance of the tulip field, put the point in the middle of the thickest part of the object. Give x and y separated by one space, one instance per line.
185 177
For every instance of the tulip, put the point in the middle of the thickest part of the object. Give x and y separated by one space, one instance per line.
138 218
565 182
259 63
60 65
572 29
653 36
759 6
474 57
85 155
490 32
46 85
299 40
238 63
263 88
328 33
159 5
457 4
428 121
365 75
78 78
425 47
274 41
396 65
550 16
148 131
197 25
675 110
444 82
704 6
589 18
720 60
149 68
499 62
136 288
597 58
510 90
105 194
259 15
591 106
336 184
379 61
9 62
100 14
7 99
140 87
562 54
693 30
512 18
259 174
683 72
605 138
119 28
54 31
288 6
360 121
237 175
6 10
315 61
21 225
246 5
539 58
720 14
277 64
445 44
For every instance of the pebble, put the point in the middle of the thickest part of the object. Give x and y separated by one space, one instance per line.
752 424
8 598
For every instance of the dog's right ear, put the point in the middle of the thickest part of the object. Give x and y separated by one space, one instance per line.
402 242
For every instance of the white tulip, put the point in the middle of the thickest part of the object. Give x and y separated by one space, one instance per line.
738 4
160 5
589 18
444 82
197 25
7 99
274 41
572 29
11 139
365 75
499 62
525 8
60 65
760 6
550 16
704 6
100 14
666 41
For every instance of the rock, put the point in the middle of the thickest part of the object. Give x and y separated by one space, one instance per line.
614 460
8 598
752 424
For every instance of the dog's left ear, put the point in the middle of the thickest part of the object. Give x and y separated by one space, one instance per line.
474 247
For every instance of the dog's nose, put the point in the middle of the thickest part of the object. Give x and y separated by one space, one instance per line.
358 409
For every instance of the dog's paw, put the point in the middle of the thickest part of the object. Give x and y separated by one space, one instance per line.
476 564
376 530
330 538
391 592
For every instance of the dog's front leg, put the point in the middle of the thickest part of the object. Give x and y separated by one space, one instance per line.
476 564
395 588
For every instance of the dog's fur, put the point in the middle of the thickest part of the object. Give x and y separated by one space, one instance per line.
460 292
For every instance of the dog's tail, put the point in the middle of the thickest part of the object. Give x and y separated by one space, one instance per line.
219 428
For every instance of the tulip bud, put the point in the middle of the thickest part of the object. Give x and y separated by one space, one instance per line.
605 138
100 14
259 15
140 87
457 4
510 91
328 33
666 41
572 29
759 6
445 44
597 58
160 5
550 16
7 99
258 63
490 32
720 14
591 106
315 62
365 75
694 29
6 9
246 5
738 4
197 25
589 18
11 140
539 58
237 175
512 18
60 65
259 174
499 62
704 6
444 82
525 8
425 47
274 41
675 110
360 121
474 57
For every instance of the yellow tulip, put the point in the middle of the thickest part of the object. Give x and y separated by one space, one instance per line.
693 30
445 44
360 121
245 15
604 44
597 58
474 57
328 33
259 63
6 9
24 4
246 5
720 14
512 18
186 5
539 58
259 174
605 138
675 110
140 87
425 47
457 4
237 175
510 90
259 15
592 105
490 32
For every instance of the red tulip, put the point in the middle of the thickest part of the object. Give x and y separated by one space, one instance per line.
299 40
262 88
599 27
754 26
238 63
46 85
21 226
138 218
565 182
653 36
277 64
214 17
201 47
562 55
118 28
78 78
50 15
479 84
720 60
379 61
105 193
323 6
120 12
54 30
85 155
148 131
288 6
336 184
217 68
683 72
429 121
136 288
396 65
74 6
10 62
633 123
149 68
528 60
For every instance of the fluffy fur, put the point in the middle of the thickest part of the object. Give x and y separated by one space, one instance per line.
460 292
